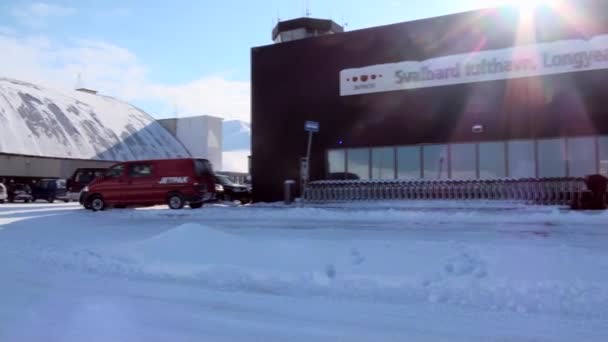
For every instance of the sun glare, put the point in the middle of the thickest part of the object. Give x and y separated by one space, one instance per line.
525 4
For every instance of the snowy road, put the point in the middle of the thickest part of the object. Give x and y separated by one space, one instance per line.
418 271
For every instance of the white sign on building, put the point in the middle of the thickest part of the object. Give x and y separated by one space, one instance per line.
522 61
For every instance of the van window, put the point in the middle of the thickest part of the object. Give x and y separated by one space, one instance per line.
61 183
202 167
115 172
140 170
86 177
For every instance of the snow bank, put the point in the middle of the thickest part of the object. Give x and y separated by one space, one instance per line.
528 277
523 260
489 216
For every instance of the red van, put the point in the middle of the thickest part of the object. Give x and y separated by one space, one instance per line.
149 182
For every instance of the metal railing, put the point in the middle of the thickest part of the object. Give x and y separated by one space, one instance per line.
548 191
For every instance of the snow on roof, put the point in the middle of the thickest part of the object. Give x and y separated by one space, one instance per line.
38 121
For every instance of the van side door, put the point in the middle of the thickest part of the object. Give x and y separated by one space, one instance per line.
141 187
112 185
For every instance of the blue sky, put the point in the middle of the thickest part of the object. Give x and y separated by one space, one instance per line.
179 57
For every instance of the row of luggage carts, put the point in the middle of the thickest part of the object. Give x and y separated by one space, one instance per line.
549 191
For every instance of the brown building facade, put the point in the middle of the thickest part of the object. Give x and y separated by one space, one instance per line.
457 96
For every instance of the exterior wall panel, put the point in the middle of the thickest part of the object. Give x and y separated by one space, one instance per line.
298 81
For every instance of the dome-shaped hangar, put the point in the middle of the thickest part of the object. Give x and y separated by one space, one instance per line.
63 129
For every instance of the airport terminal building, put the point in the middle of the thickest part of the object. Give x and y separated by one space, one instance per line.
493 93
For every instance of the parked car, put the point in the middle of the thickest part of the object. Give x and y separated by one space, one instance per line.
80 179
50 190
19 192
231 191
175 182
3 193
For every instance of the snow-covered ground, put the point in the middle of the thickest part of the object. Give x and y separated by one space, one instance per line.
398 271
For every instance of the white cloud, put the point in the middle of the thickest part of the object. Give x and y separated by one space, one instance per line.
36 14
117 72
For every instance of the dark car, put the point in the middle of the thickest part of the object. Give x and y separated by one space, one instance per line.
81 178
50 190
231 191
19 192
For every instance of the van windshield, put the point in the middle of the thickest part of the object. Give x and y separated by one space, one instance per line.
202 167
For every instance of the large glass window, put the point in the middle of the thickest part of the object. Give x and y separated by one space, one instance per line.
603 152
581 156
463 161
408 162
336 160
358 162
492 160
435 160
551 158
383 163
521 159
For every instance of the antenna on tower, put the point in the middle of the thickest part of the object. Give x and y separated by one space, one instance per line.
175 112
307 9
78 81
344 23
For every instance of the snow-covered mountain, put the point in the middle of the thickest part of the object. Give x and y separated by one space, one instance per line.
237 145
38 121
236 135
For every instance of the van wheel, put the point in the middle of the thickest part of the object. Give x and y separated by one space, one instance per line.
196 205
50 199
34 199
97 203
175 201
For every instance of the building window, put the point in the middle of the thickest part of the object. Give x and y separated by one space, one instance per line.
408 162
435 161
336 161
463 161
551 158
521 159
358 162
603 152
492 161
383 163
581 156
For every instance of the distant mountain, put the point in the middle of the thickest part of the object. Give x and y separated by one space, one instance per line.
237 145
236 135
39 121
